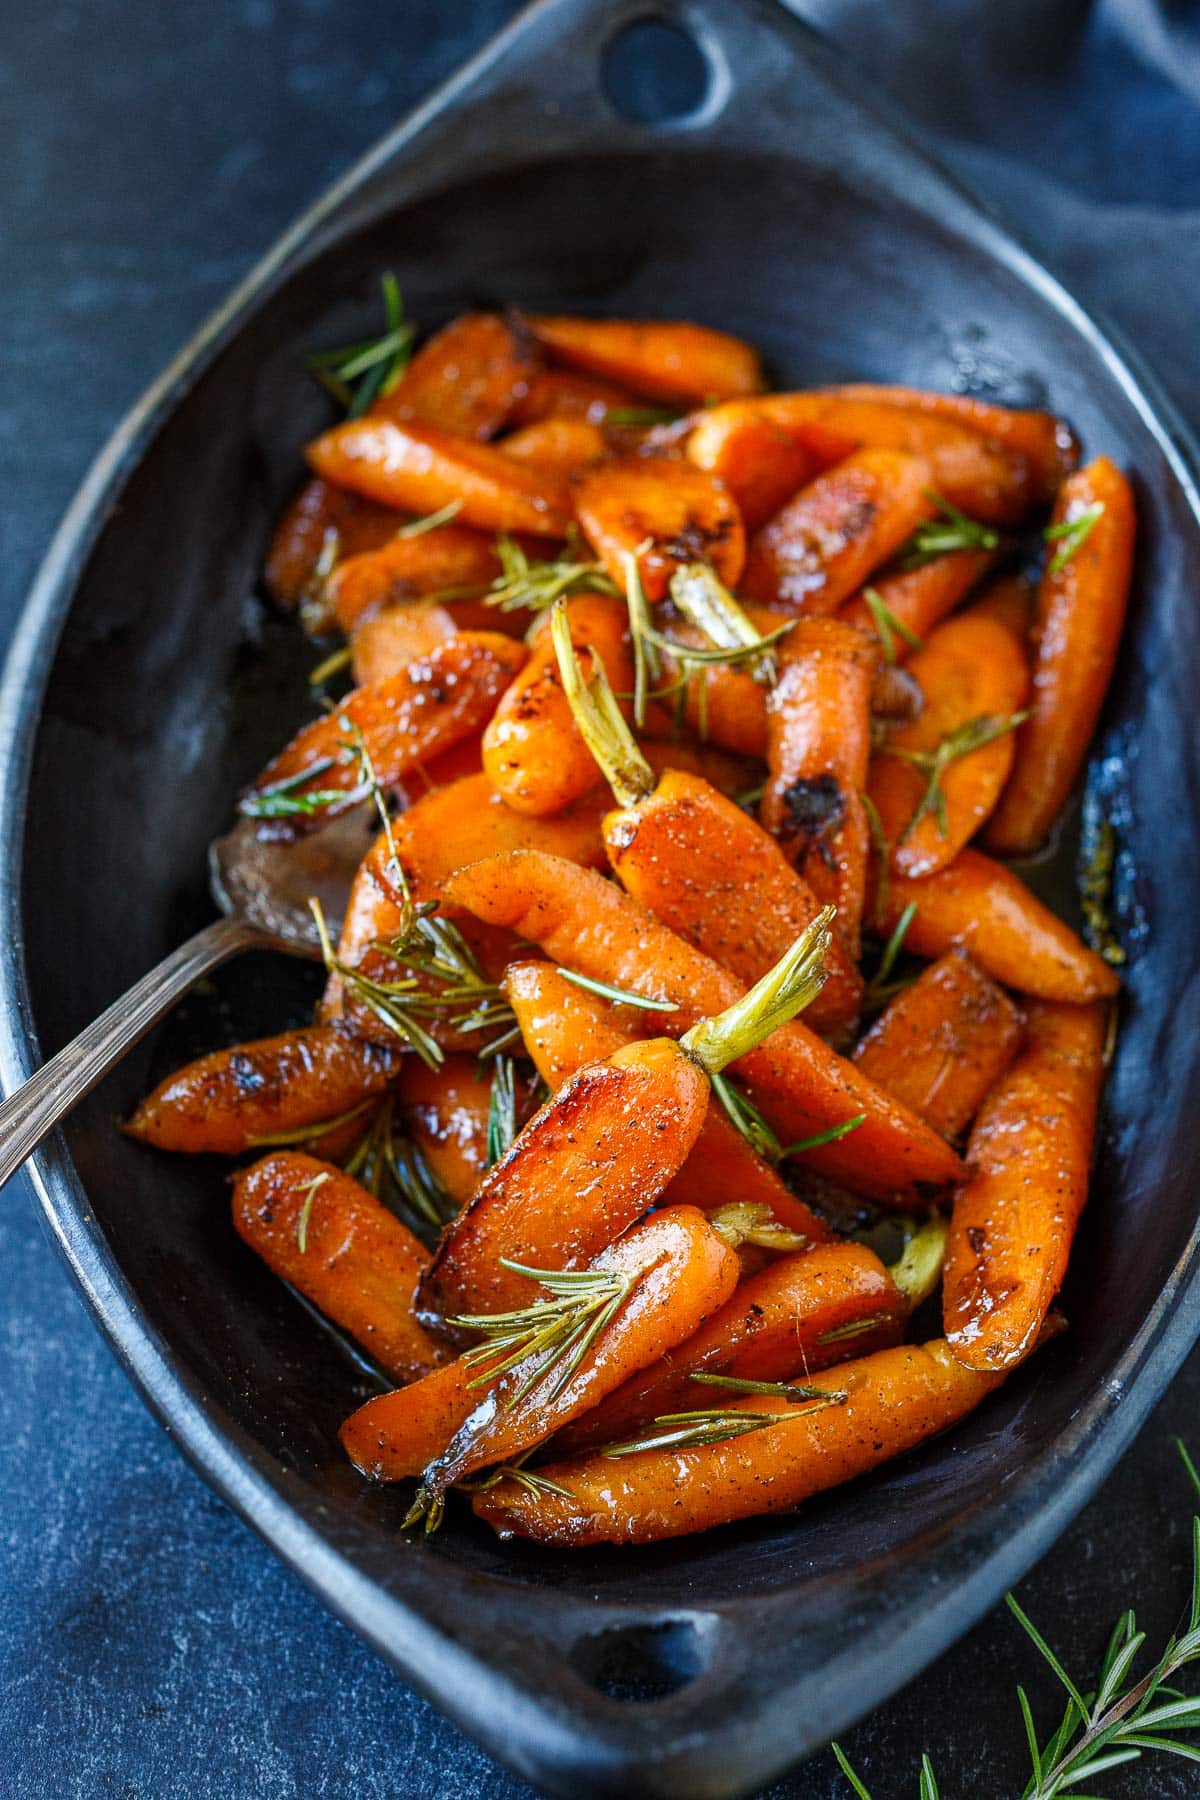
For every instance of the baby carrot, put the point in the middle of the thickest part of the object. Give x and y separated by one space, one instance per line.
570 394
408 568
422 469
803 1087
869 1411
936 780
978 905
320 518
664 359
941 1044
827 540
1080 612
384 644
1009 601
564 445
445 1113
230 1100
728 772
761 464
666 513
466 379
1015 1217
908 603
399 1434
344 1251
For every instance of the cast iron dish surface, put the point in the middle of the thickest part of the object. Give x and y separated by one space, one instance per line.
782 211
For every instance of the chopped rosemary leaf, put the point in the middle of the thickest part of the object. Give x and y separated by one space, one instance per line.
642 415
952 531
934 763
376 364
431 521
883 853
782 1390
888 627
1070 535
554 1334
502 1108
281 800
830 1135
840 1334
621 995
525 586
695 1430
309 1190
745 1118
331 665
305 1134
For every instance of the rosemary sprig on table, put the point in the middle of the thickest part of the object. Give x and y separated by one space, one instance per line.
375 365
1070 535
952 530
933 764
554 1334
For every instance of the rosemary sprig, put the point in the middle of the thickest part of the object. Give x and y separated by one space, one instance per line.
281 800
883 853
309 1190
376 365
530 1479
554 1334
431 521
524 585
713 1425
331 665
879 990
502 1109
383 1160
621 995
1070 535
599 718
305 1134
933 764
887 626
642 415
745 1116
953 530
741 1384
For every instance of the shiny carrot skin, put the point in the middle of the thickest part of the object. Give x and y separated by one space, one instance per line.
445 1112
801 1085
680 513
800 1314
761 464
984 478
701 864
466 379
978 905
585 1167
663 359
727 771
1080 613
564 1027
384 644
317 1228
827 541
421 468
896 1399
1010 602
302 533
533 751
570 394
449 556
1015 1217
942 1043
1046 443
970 668
680 1271
818 754
565 445
920 598
435 703
228 1100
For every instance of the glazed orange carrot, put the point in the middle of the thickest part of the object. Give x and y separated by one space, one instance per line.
978 905
399 1434
1047 444
917 599
800 1314
684 513
1080 612
466 379
423 469
664 359
1010 601
445 1112
827 540
728 772
407 568
231 1099
984 478
388 641
942 1043
973 675
317 1228
894 1400
1015 1217
532 749
664 1277
818 753
723 704
433 704
569 394
322 518
564 1026
803 1087
561 444
761 464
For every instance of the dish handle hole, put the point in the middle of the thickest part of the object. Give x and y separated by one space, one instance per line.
642 1662
655 73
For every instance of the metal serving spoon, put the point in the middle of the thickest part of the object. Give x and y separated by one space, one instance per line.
263 891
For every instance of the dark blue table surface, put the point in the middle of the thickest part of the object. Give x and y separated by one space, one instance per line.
149 1645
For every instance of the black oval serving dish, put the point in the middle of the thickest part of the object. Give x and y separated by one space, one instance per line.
148 681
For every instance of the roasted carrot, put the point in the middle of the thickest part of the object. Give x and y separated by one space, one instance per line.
942 1043
874 1409
665 512
761 464
562 444
423 469
1010 602
569 394
800 1314
388 641
803 1087
408 568
827 540
322 520
435 703
1047 444
466 379
399 1434
564 1027
445 1113
315 1227
728 772
1015 1217
913 601
666 360
1080 612
532 749
935 781
230 1100
818 753
978 905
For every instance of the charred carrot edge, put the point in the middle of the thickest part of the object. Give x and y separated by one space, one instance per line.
667 513
893 1401
1080 613
317 1228
466 379
942 1043
666 360
1015 1218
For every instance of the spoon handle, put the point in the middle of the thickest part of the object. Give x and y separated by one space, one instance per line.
32 1112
